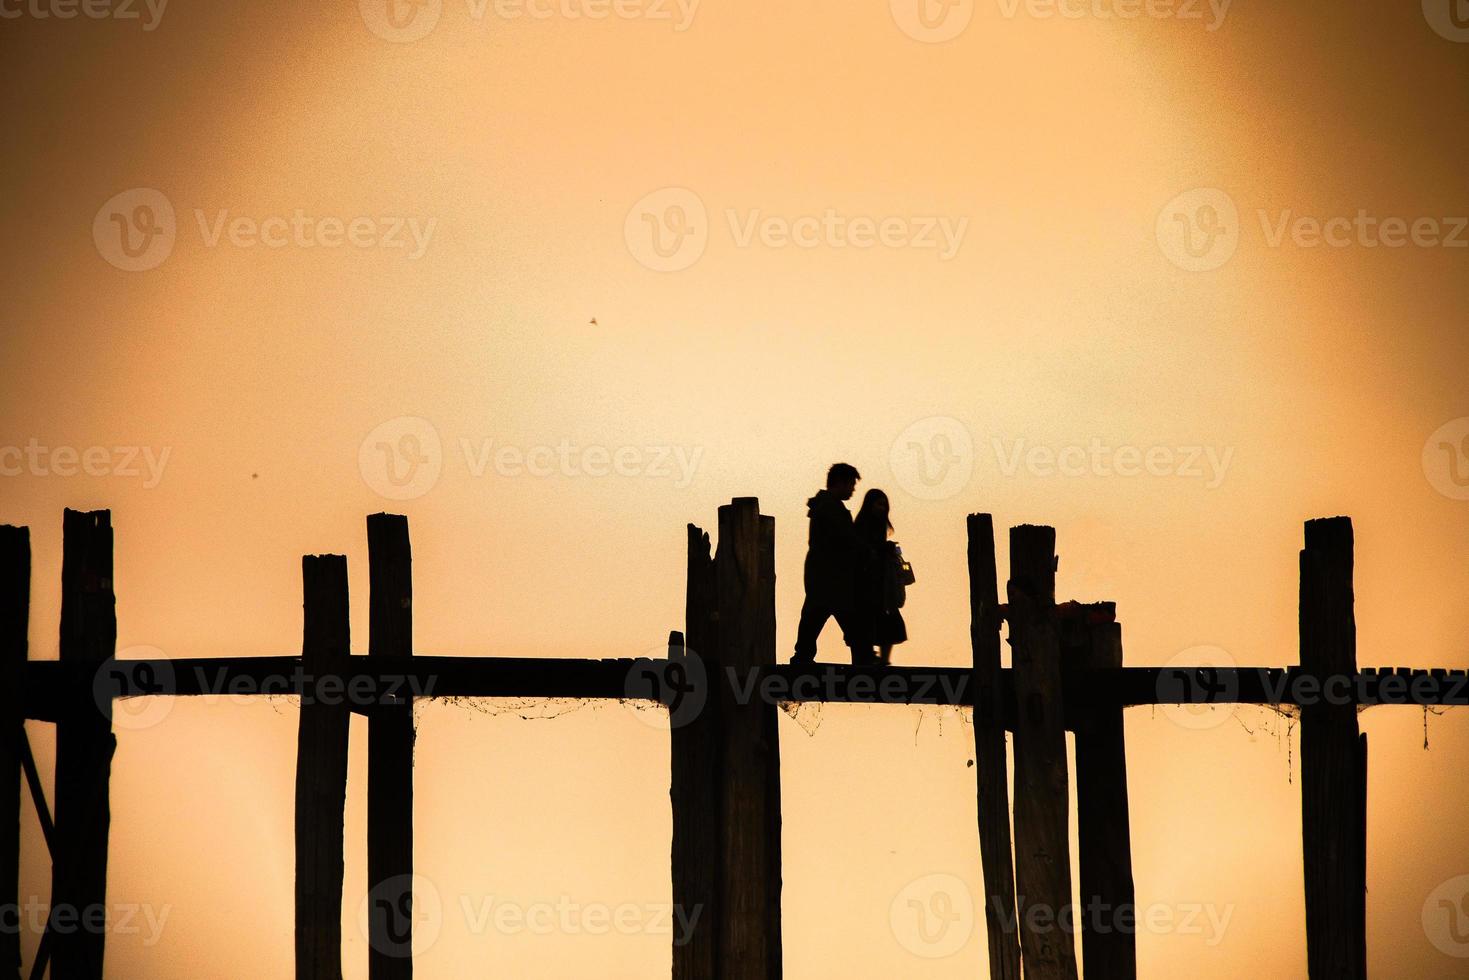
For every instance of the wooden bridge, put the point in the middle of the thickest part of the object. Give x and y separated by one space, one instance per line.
722 686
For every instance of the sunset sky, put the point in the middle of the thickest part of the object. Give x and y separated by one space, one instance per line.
1172 277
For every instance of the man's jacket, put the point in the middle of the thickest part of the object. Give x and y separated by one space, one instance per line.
833 552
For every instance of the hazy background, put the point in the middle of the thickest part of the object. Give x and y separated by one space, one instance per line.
288 386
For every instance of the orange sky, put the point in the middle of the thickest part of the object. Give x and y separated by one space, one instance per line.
958 262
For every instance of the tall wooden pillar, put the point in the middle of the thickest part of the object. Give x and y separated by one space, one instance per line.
726 760
321 769
390 755
1333 760
15 605
991 767
84 749
1042 794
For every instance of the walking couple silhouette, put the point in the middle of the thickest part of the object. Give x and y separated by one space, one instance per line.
854 572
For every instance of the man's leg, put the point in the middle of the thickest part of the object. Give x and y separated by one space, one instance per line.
857 634
813 617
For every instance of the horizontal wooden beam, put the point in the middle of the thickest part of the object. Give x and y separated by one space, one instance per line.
367 682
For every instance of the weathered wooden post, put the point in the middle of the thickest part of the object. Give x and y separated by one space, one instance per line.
390 755
84 749
15 608
1106 912
1333 759
321 768
1042 796
695 785
750 926
991 766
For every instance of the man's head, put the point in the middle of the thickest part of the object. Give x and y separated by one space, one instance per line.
842 479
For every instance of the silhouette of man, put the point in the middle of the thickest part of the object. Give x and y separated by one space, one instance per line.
831 560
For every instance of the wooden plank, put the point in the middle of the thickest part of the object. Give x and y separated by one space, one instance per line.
1332 805
750 927
1042 795
1108 940
321 771
992 768
49 683
694 787
15 610
390 755
84 749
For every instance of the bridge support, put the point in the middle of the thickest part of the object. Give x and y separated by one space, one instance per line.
321 769
726 760
390 756
1333 760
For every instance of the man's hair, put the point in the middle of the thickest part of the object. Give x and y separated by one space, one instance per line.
840 472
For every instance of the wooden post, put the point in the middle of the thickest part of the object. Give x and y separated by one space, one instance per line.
84 748
1333 795
321 769
15 608
750 927
1106 910
694 787
1042 796
390 756
991 767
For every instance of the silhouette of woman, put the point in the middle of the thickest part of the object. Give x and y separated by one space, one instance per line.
879 590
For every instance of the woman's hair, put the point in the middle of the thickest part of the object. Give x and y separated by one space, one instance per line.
872 518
